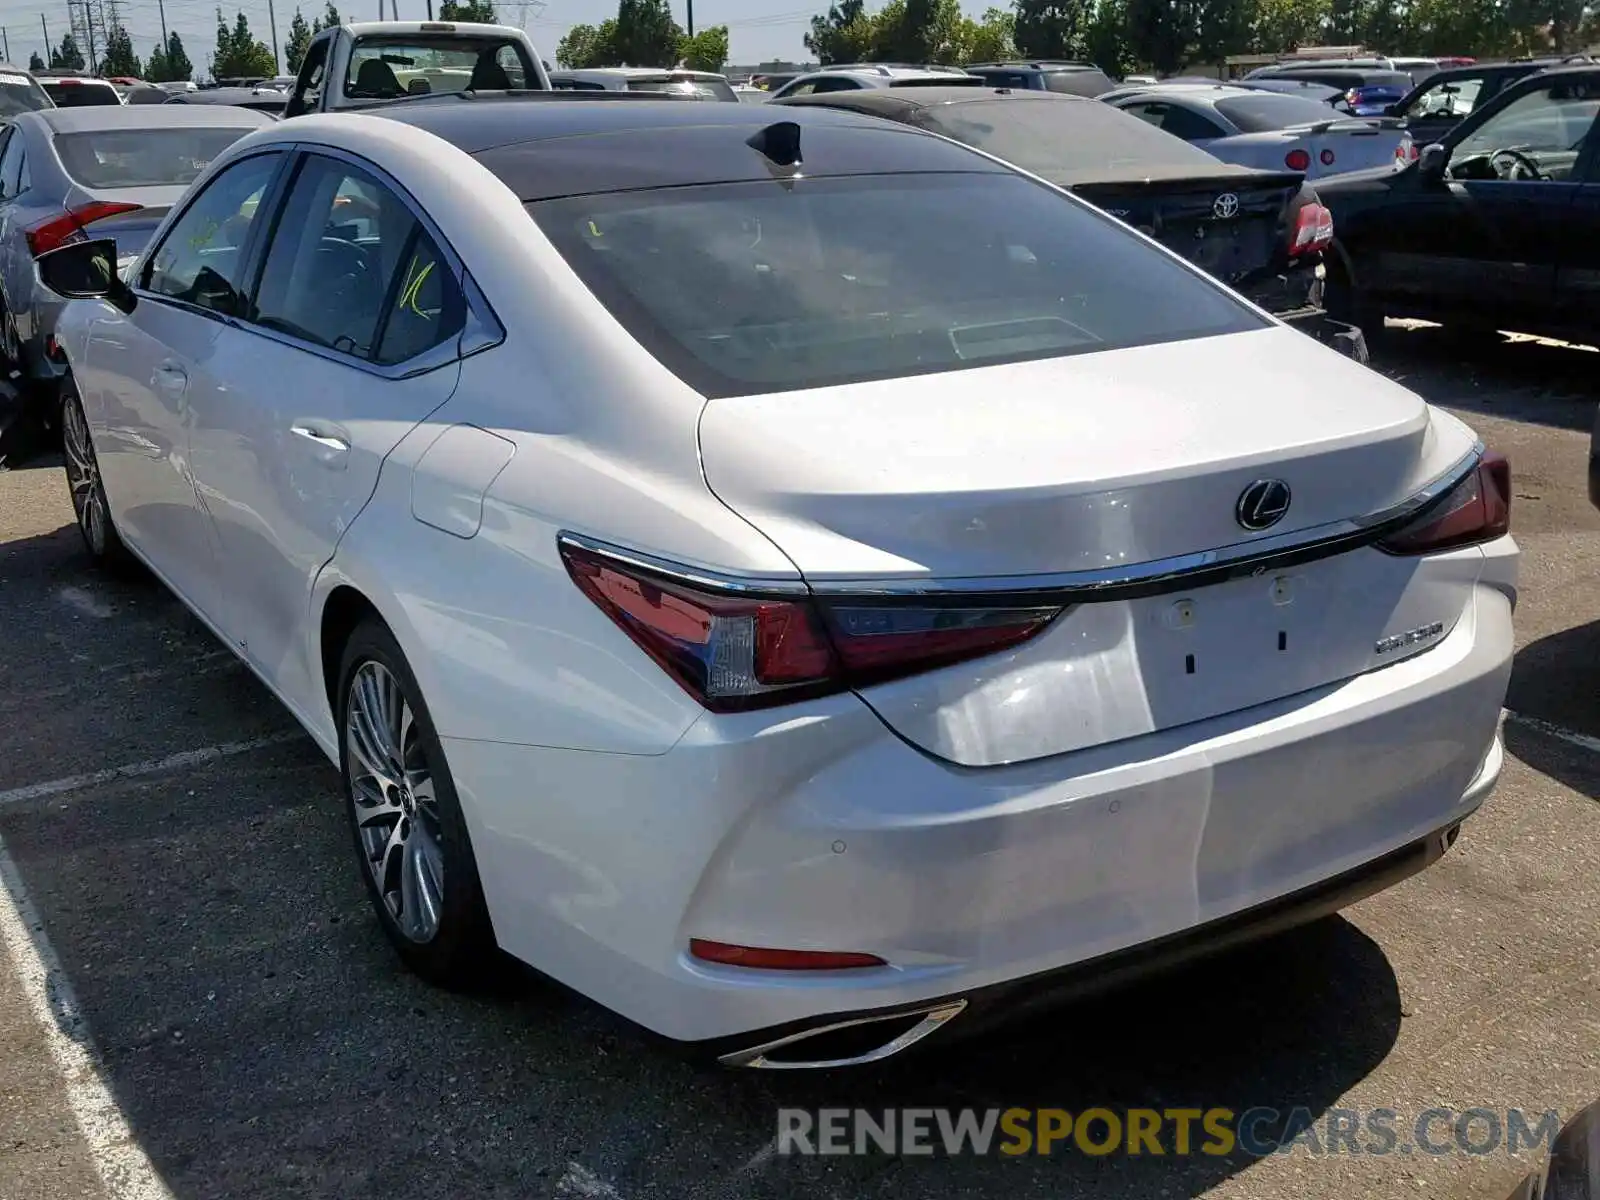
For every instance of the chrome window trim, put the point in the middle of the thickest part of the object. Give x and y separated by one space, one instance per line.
1127 582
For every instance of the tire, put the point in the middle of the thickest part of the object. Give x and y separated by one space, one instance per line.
406 825
87 489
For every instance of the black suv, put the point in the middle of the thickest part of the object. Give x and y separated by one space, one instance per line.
1436 105
1045 75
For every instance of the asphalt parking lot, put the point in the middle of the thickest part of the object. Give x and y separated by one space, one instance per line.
197 1003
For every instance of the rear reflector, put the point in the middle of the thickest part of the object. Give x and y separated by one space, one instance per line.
1297 160
1478 510
1327 158
781 960
732 651
55 232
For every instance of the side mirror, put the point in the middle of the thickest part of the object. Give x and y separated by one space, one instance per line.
1432 160
86 271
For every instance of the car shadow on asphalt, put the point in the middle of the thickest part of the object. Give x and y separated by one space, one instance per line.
1526 380
1557 679
263 1041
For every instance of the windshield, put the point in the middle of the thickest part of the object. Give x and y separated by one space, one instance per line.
707 87
1272 110
761 287
1047 138
382 68
1451 99
116 158
19 94
73 94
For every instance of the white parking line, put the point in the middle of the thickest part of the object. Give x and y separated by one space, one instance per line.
122 1165
1572 737
152 766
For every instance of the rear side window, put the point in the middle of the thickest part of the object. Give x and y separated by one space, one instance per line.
351 268
113 158
761 287
1270 110
19 94
72 93
1078 83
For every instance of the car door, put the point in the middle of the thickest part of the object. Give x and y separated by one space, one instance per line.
1486 236
351 340
1578 270
140 369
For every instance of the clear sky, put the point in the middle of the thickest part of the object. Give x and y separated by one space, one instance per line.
757 29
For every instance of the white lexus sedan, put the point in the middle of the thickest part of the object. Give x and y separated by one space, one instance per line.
802 583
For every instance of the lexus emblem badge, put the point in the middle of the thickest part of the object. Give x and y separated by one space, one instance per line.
1226 207
1262 504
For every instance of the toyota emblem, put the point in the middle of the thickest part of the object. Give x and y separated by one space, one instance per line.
1226 207
1262 504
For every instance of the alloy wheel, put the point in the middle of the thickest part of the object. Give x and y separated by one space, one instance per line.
83 476
396 810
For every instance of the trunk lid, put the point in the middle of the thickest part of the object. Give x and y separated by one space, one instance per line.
1232 226
1097 463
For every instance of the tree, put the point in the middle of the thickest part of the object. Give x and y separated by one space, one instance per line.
706 50
646 34
992 39
119 57
1160 32
589 46
844 35
35 63
1053 28
239 54
1106 41
178 65
294 50
329 19
468 10
155 67
68 57
919 31
1221 28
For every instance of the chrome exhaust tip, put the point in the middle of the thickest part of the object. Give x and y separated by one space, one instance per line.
925 1021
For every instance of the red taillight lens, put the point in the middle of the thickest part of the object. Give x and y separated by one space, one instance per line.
733 652
55 232
1478 510
1297 160
1313 230
1327 158
780 960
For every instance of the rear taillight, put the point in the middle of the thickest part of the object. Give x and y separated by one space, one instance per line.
1297 160
1327 158
1353 96
1313 229
55 232
732 651
1477 510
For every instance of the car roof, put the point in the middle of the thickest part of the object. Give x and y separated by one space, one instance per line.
146 116
544 148
364 28
895 104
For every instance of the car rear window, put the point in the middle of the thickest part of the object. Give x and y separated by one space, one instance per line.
706 89
1078 83
19 94
113 158
384 66
1050 136
79 94
745 288
1272 110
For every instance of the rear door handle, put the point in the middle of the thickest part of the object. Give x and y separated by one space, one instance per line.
330 445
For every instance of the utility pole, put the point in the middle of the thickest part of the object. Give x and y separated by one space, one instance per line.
88 22
6 42
272 20
45 29
161 6
691 17
430 10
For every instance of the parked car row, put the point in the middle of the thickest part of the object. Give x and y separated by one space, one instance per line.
797 578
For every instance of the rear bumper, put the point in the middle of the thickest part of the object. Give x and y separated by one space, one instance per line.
1295 298
814 827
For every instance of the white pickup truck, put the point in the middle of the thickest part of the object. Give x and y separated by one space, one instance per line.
359 65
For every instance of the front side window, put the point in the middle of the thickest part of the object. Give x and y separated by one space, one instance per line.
1538 136
776 286
350 268
836 83
1451 98
201 259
